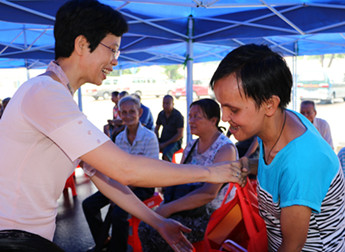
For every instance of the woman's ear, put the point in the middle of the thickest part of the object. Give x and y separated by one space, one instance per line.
214 121
81 45
271 105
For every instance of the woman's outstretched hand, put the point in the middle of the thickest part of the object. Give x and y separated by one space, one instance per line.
246 167
225 172
172 232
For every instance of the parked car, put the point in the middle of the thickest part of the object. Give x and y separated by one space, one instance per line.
142 86
145 86
317 85
104 91
198 90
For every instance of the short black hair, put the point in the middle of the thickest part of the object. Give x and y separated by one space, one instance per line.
115 93
123 93
168 96
6 100
263 73
308 102
85 17
210 108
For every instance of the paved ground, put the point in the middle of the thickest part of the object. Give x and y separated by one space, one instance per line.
72 232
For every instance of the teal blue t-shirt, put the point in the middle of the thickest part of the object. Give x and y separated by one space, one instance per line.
306 172
300 173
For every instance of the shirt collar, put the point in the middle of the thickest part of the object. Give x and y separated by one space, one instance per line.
57 70
139 136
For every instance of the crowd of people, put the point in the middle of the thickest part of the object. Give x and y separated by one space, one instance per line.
193 203
44 136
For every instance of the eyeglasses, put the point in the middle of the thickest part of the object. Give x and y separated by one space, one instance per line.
115 52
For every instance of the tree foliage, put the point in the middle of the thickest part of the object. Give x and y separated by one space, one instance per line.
326 60
172 72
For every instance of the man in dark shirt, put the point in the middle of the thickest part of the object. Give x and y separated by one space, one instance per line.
172 121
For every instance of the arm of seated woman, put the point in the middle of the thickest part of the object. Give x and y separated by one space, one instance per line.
194 199
202 195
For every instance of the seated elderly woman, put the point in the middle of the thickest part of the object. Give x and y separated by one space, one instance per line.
136 140
192 204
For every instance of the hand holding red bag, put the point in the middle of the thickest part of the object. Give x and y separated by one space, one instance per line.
239 222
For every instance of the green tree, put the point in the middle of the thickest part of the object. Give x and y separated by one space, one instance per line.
172 72
326 58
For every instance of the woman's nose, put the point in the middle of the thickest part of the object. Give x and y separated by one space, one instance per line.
114 62
225 117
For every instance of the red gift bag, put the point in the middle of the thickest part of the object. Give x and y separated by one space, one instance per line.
236 226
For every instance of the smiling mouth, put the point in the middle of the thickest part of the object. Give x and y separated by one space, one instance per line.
106 71
233 128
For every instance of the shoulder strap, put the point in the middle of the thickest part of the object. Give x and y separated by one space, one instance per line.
190 151
172 189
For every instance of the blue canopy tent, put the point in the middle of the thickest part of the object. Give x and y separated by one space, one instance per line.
182 31
160 30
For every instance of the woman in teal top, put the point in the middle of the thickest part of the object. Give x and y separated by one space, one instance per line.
301 187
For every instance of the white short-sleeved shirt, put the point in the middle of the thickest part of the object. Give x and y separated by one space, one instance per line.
341 156
144 144
207 158
324 129
42 135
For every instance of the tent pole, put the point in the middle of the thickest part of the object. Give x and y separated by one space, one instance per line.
80 103
26 61
27 70
189 83
294 78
